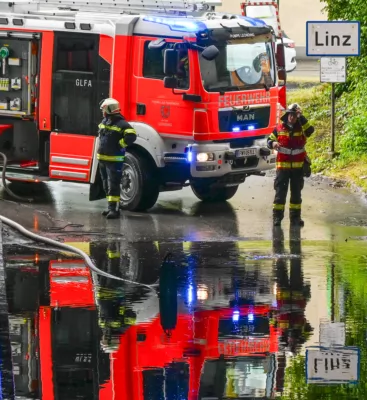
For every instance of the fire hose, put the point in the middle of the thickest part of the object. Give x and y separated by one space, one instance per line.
3 179
54 243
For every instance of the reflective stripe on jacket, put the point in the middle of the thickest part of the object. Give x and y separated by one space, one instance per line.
115 134
292 140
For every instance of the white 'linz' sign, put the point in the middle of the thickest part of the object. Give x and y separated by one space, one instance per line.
328 365
333 38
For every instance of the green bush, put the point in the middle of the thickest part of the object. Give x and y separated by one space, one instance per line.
353 141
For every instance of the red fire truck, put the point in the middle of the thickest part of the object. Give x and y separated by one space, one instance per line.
201 88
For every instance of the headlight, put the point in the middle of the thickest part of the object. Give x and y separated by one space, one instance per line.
260 142
203 157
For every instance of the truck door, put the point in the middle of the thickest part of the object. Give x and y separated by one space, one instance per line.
76 92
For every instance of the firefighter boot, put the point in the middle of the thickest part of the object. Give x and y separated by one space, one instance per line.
113 212
278 216
295 217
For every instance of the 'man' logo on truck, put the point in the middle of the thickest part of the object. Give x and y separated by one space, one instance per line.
245 117
83 82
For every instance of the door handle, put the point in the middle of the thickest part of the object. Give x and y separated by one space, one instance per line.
141 109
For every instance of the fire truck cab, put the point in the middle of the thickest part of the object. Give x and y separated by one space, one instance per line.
200 88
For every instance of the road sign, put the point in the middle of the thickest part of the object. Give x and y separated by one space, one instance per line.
332 334
329 366
333 70
333 38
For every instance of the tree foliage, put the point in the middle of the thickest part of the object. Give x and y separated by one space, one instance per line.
354 139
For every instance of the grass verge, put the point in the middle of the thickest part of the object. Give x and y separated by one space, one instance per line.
316 105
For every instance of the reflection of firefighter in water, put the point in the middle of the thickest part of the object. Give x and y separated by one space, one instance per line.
292 292
115 317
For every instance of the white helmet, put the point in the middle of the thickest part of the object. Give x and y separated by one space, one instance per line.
295 107
110 106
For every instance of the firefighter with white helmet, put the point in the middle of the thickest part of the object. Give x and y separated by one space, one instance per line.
289 139
115 134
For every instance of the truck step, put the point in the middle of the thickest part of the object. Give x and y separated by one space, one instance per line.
16 177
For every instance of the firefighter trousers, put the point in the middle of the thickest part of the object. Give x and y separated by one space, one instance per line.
111 174
285 178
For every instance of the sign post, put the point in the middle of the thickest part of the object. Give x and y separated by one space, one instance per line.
333 41
333 70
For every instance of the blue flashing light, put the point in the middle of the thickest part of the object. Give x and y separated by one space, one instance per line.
247 128
251 317
253 21
236 316
178 24
189 156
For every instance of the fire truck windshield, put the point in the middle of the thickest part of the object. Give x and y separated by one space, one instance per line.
241 64
244 377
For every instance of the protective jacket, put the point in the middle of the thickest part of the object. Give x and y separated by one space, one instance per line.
115 134
292 141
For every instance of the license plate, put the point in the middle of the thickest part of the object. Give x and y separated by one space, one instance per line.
245 153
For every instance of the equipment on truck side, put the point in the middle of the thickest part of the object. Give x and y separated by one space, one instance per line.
200 88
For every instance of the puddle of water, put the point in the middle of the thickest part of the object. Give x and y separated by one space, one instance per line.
233 320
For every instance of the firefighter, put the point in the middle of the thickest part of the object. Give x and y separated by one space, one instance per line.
183 73
115 317
289 139
115 134
293 292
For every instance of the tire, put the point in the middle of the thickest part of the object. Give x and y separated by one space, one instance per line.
205 193
139 189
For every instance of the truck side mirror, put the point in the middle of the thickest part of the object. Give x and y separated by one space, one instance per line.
170 63
210 53
280 56
170 82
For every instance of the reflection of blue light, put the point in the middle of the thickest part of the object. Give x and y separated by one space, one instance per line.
250 127
236 129
235 316
251 317
190 294
178 24
189 156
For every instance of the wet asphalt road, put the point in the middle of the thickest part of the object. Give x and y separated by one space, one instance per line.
234 312
63 210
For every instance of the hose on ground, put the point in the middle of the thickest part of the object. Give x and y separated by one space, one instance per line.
3 179
54 243
71 249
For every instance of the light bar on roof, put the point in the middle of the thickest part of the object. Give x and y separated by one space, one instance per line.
253 21
177 24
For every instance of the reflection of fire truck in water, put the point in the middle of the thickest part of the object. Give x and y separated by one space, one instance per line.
206 127
218 339
219 344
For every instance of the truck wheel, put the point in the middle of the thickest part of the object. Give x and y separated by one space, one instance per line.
205 193
139 189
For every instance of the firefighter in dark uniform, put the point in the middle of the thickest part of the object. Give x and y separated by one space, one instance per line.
183 73
115 316
115 134
293 292
289 139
